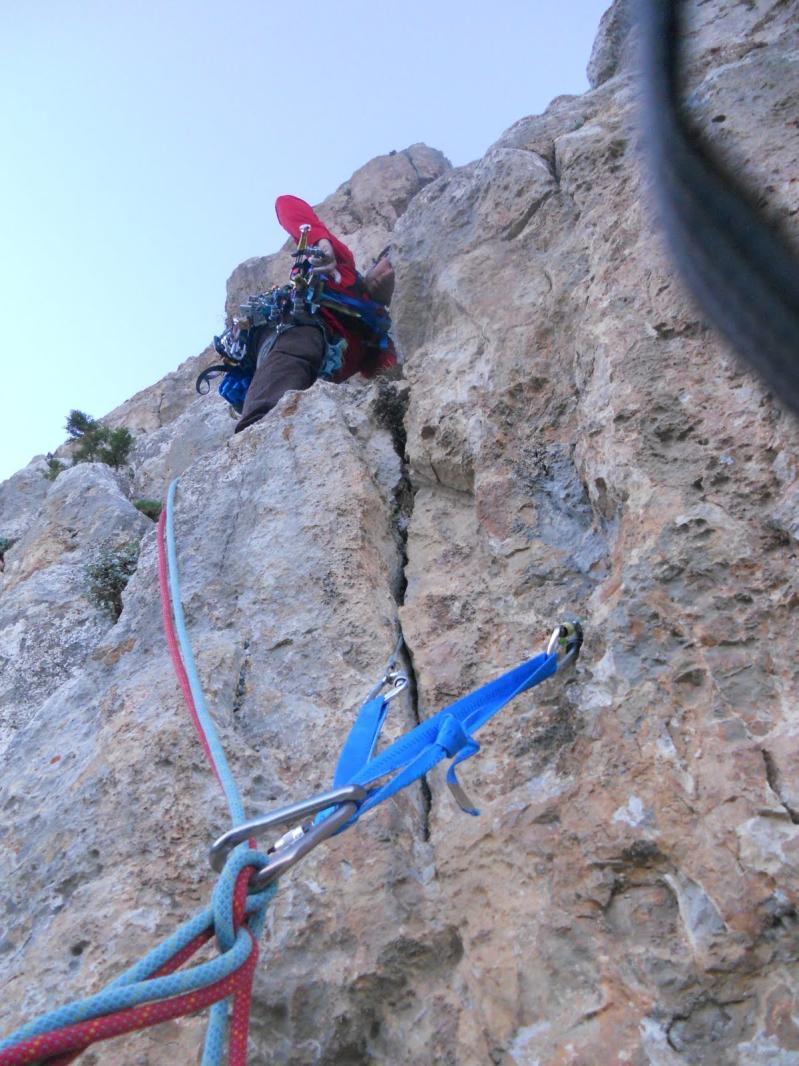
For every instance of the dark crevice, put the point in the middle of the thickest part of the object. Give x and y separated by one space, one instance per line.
674 1021
410 159
520 224
773 778
421 178
390 408
413 694
554 165
241 684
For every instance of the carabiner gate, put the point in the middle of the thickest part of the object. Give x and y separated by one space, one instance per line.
295 844
398 683
567 639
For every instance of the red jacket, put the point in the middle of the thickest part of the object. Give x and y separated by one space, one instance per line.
292 212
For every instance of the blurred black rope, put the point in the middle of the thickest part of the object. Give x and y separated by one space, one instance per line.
733 257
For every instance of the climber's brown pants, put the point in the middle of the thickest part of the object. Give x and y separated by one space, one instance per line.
293 363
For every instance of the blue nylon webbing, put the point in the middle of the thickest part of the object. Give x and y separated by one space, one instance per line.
446 735
359 745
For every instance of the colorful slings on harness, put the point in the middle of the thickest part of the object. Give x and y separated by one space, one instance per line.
373 316
334 357
234 385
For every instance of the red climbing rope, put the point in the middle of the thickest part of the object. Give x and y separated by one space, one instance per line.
49 1048
242 1002
62 1046
174 649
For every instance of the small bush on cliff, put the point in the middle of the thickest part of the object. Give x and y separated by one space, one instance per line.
5 544
98 443
54 468
108 575
151 508
389 407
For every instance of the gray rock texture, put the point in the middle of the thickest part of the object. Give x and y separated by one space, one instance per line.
569 439
362 212
49 623
612 46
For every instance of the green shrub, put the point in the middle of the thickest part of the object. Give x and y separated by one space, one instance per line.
389 407
5 544
116 447
151 508
54 468
109 574
98 443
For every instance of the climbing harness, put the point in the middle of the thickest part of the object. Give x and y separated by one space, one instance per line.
269 314
737 261
156 989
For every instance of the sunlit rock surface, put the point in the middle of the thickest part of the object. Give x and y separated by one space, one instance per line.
578 444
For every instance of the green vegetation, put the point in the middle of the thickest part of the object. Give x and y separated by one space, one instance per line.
98 443
5 544
151 508
54 468
389 407
109 574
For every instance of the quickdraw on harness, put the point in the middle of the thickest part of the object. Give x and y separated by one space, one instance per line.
272 313
157 989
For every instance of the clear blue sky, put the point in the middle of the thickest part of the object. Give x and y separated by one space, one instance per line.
144 144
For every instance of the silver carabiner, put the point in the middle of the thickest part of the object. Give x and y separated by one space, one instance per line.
389 675
295 844
567 637
398 683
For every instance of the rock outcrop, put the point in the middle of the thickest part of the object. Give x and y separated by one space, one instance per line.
576 442
362 211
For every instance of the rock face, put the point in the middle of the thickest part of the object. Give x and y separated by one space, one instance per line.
363 212
48 623
613 45
576 442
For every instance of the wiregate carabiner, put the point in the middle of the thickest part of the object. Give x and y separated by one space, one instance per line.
295 844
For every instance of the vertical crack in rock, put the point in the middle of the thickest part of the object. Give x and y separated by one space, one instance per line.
575 438
241 684
775 784
390 407
426 794
422 182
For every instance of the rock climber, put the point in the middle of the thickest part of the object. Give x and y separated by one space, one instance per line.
294 359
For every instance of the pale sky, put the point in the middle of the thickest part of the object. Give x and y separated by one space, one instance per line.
144 145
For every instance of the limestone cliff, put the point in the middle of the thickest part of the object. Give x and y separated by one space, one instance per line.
576 442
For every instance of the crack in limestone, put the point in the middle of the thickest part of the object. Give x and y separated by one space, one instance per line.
521 223
241 684
773 778
403 499
413 688
413 692
419 177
